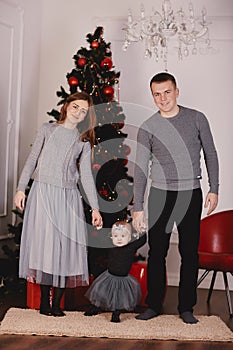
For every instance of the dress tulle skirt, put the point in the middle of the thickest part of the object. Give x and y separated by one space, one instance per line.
53 248
111 292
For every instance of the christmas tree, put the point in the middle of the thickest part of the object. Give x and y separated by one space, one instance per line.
94 73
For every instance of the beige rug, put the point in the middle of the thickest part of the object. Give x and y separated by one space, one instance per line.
164 327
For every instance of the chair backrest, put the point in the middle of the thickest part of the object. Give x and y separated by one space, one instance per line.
216 233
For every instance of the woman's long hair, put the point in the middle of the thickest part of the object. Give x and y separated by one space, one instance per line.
86 127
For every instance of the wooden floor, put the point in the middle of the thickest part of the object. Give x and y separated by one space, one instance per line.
218 306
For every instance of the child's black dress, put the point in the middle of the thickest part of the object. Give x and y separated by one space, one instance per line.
115 288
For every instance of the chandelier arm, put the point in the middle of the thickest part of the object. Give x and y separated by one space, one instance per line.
156 30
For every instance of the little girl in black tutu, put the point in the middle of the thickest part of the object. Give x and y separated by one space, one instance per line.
115 289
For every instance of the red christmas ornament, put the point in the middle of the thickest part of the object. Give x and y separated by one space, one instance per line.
94 44
125 161
103 192
109 91
96 166
81 61
118 125
126 150
106 63
124 193
94 233
121 125
72 81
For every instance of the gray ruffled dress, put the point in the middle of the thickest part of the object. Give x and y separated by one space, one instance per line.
53 248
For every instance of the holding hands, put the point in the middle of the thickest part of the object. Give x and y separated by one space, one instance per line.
139 221
97 219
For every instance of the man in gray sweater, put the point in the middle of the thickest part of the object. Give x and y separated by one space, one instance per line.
169 145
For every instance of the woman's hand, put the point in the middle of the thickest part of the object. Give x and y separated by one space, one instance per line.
19 199
97 219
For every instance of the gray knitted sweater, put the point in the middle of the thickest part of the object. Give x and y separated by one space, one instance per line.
68 176
172 147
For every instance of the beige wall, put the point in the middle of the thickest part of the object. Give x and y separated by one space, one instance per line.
31 23
20 23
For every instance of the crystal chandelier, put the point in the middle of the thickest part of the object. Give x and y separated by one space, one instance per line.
159 29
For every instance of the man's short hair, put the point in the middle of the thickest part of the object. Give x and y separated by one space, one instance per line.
161 77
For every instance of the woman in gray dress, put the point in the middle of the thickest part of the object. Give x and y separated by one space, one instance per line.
53 250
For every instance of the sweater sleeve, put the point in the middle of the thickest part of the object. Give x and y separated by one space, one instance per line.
32 159
86 176
143 155
210 154
138 243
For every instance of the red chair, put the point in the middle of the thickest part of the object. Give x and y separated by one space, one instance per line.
216 249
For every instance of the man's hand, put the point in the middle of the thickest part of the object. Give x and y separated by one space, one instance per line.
211 202
139 221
